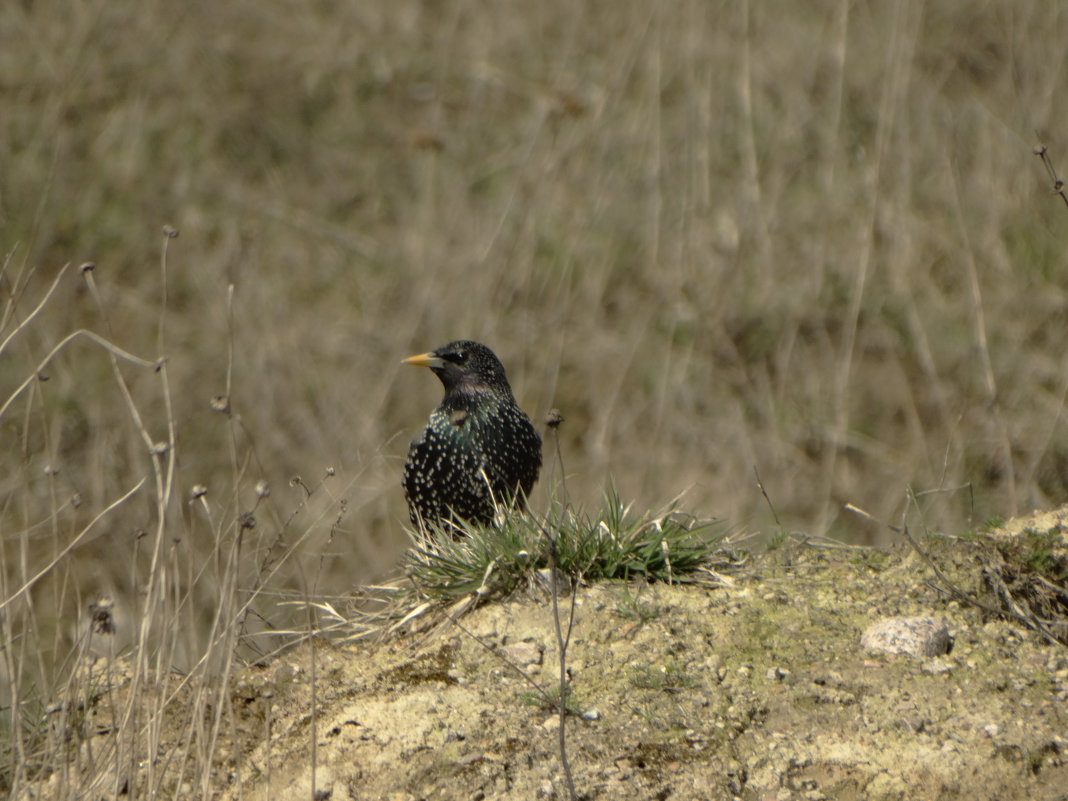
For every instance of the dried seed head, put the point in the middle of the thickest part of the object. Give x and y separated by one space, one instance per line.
100 615
170 231
263 489
554 418
198 491
220 403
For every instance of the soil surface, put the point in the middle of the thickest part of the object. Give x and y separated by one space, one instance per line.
760 690
756 690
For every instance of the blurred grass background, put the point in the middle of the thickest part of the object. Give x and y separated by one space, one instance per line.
806 238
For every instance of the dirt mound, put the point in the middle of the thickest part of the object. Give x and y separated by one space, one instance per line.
757 690
760 690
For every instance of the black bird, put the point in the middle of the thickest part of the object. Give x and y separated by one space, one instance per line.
477 450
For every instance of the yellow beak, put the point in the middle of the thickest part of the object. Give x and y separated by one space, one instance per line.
423 360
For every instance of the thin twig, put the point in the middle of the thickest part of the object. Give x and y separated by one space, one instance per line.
562 643
110 347
37 309
1056 184
985 360
73 543
764 492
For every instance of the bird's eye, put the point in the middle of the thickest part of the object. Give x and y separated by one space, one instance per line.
456 357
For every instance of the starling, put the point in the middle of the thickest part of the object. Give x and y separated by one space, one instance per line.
478 451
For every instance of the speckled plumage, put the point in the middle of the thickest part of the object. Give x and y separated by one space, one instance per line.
477 448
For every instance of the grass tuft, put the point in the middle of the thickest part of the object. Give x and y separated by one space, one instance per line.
615 543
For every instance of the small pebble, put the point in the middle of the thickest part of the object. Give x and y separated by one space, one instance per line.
916 636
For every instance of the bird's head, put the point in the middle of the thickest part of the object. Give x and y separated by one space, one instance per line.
464 367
